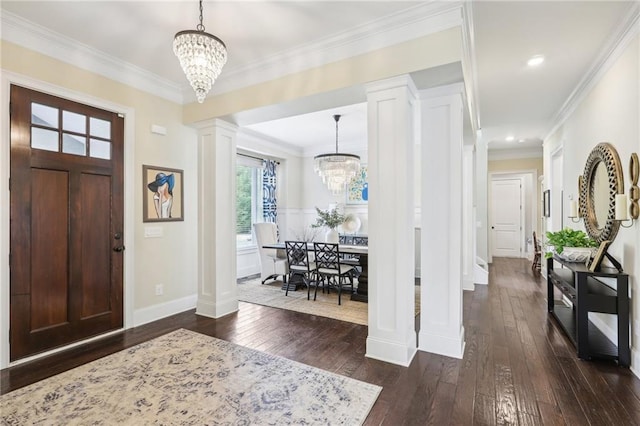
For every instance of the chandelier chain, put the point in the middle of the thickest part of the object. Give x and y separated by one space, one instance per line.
200 27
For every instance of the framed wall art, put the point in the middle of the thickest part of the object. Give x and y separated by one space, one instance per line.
358 188
162 194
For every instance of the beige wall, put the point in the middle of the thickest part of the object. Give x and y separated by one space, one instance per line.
609 112
172 259
515 165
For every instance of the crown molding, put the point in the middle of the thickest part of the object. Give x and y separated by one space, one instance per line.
469 65
263 144
418 21
411 23
42 40
629 27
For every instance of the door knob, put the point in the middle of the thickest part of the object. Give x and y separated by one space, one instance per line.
118 249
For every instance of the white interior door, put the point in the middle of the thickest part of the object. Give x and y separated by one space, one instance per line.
506 218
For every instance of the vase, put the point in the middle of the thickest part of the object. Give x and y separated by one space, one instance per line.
331 236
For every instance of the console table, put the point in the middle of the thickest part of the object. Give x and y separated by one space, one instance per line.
588 292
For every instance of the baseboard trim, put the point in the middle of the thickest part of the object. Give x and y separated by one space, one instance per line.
451 346
216 310
391 352
163 310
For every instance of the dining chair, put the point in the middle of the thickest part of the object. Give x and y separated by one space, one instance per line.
537 253
273 262
331 268
299 264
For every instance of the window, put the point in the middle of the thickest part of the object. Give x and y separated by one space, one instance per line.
248 199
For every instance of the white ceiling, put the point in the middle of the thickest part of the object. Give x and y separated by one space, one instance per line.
512 99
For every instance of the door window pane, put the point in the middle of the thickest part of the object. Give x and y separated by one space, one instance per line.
44 115
44 139
72 144
100 149
73 122
99 128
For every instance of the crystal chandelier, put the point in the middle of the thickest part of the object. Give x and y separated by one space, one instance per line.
337 170
201 56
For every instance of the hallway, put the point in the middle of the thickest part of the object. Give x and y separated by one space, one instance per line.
518 367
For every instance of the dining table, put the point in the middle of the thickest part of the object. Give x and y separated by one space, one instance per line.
362 252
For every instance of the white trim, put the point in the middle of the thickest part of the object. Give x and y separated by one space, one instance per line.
635 360
615 46
390 351
163 310
469 65
8 78
40 39
266 143
447 345
408 24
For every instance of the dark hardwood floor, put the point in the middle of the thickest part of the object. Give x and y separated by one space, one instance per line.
518 367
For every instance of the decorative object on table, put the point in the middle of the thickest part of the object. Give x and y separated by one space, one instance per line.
546 203
594 264
185 377
331 219
358 188
337 169
602 181
162 199
576 243
351 225
202 56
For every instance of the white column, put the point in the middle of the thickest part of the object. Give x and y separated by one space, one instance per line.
441 329
468 228
392 335
217 288
481 198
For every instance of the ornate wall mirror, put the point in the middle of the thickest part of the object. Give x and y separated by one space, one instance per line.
601 181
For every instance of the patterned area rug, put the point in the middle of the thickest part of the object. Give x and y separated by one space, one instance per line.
326 305
186 378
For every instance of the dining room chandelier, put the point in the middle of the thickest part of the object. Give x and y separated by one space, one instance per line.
336 169
202 56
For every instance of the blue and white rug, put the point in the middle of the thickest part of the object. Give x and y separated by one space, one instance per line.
187 378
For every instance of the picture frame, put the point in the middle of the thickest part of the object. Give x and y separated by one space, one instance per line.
595 263
162 194
546 203
357 191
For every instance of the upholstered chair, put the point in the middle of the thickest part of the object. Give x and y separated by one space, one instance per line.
273 262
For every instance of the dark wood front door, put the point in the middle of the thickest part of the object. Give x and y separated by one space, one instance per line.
66 221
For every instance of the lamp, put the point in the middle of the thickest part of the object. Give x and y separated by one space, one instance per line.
574 211
201 56
336 170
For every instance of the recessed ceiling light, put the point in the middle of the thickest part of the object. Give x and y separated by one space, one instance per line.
520 140
535 61
509 138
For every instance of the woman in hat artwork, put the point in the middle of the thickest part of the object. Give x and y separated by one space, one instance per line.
162 188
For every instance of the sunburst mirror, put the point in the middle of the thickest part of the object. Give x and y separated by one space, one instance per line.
601 181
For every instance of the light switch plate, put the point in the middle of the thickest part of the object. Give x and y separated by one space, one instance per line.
153 232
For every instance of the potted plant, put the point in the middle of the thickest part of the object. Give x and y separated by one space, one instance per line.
570 244
331 219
